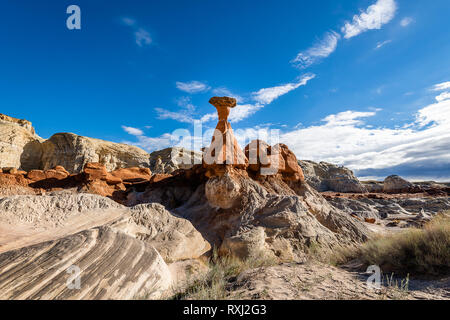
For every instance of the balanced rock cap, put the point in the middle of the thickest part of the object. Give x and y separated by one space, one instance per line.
220 102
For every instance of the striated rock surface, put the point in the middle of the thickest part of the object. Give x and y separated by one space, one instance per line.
325 176
19 145
173 237
73 152
112 265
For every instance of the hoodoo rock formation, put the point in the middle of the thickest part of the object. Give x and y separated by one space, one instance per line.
224 149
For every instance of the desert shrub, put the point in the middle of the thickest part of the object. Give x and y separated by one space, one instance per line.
416 251
423 251
222 271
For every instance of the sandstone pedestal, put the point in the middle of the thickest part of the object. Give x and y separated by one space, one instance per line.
224 149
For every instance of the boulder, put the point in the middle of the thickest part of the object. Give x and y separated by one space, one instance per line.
396 184
325 176
261 157
95 171
132 174
223 192
289 166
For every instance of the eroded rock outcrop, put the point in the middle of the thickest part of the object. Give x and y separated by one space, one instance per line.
19 145
113 265
396 184
172 159
94 179
267 160
325 176
73 152
122 252
278 218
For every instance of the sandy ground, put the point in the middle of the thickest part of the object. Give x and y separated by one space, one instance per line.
317 281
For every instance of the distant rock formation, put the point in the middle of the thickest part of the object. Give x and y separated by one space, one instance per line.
73 151
19 145
396 184
325 176
171 159
21 148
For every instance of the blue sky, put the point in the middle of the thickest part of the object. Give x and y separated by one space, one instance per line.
360 83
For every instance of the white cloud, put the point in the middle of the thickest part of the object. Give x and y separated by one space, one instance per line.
406 21
347 118
142 37
180 116
381 44
209 117
267 95
374 17
443 96
192 86
241 112
320 50
441 86
133 131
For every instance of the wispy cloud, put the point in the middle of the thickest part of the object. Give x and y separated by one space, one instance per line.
192 86
133 131
180 116
382 44
374 17
441 86
267 95
406 21
128 21
318 51
141 35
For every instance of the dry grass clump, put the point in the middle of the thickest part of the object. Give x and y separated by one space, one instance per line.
414 251
222 271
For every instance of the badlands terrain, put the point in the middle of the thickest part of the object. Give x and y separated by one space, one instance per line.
161 226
